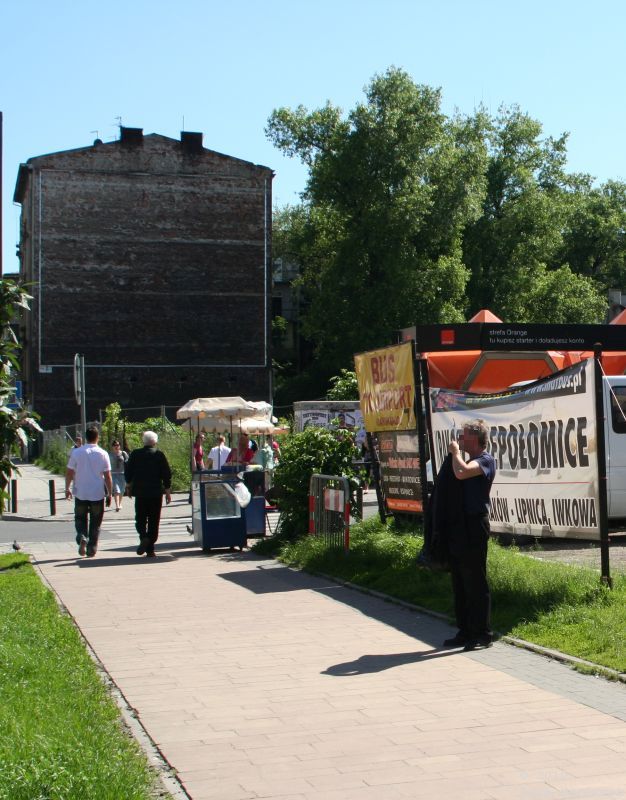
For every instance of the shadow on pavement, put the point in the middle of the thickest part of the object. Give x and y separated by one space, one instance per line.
377 663
269 576
60 562
90 563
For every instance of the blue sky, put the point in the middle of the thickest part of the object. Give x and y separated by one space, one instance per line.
68 69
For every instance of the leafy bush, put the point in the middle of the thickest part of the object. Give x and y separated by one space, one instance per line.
54 457
314 450
17 426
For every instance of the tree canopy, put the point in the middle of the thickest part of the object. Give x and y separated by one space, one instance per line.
410 215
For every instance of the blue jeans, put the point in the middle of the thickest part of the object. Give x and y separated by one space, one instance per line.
87 520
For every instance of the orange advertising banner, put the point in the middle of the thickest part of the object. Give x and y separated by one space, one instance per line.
387 388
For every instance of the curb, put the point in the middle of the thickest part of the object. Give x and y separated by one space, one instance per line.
165 771
556 655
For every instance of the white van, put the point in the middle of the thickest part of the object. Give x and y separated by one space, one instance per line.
615 438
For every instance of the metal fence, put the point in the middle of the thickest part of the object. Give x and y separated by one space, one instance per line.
65 436
329 509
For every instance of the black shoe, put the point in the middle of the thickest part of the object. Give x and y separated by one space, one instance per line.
477 644
82 546
143 546
151 554
92 549
460 640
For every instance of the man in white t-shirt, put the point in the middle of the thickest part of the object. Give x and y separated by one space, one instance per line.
219 453
89 468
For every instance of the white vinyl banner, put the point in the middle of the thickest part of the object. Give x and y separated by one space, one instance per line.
543 438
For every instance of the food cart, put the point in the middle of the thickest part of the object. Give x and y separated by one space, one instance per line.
224 515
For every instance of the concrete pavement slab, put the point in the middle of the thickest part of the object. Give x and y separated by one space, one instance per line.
260 681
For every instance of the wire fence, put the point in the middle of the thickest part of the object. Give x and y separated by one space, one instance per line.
329 510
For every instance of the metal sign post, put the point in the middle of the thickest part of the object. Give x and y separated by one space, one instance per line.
79 390
602 476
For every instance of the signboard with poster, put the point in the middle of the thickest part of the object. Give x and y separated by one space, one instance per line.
329 414
401 478
543 437
387 388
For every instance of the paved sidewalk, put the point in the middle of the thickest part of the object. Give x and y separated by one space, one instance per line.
257 681
33 499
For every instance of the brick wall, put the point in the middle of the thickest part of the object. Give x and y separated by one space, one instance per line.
153 262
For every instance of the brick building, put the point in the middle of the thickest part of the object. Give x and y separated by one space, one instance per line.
151 256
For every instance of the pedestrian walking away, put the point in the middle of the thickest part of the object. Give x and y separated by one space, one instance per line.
468 545
89 471
118 459
149 477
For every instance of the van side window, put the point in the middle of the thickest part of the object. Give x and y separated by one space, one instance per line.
618 408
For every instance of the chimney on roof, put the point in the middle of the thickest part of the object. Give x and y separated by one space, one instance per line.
191 141
131 136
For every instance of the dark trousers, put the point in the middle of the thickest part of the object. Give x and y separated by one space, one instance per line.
147 517
88 519
468 568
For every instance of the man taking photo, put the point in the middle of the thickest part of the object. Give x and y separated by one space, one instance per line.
468 550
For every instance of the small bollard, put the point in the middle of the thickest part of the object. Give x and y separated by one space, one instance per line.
53 500
14 496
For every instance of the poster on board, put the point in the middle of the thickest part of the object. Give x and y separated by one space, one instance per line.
387 388
398 453
544 440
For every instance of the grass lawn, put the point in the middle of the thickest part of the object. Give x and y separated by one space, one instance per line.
60 733
554 605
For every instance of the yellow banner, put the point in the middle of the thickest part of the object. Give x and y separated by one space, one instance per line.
387 388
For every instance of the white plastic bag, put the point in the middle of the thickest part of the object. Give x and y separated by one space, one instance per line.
242 493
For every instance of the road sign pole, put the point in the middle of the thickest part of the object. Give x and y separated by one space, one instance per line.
79 389
83 405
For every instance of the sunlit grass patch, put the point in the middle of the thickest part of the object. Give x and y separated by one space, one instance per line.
60 732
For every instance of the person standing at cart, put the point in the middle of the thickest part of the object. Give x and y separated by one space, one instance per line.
218 455
198 453
150 477
243 454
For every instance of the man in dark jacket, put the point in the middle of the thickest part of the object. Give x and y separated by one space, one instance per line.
468 549
150 477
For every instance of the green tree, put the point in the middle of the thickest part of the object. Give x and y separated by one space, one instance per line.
16 425
343 386
561 296
378 237
594 239
521 261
